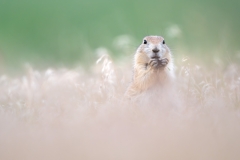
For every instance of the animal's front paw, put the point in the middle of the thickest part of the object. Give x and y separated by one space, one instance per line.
163 62
154 63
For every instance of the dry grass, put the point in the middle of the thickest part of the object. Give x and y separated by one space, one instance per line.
72 114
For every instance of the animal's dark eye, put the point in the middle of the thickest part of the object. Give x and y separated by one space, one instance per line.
163 42
144 41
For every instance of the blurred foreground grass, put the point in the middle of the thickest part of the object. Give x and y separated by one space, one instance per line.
77 114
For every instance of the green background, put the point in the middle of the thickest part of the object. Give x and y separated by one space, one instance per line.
53 33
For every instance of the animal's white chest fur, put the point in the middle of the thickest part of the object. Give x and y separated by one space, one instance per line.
162 78
153 95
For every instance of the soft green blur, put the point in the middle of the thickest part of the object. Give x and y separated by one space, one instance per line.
48 33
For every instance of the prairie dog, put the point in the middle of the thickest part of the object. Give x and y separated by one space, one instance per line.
153 66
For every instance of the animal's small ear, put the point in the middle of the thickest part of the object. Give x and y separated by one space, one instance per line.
163 42
144 41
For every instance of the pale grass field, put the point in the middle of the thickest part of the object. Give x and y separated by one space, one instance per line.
67 114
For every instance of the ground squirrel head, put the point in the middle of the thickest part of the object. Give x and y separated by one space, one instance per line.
154 47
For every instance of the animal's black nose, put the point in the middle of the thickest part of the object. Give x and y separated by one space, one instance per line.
155 50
